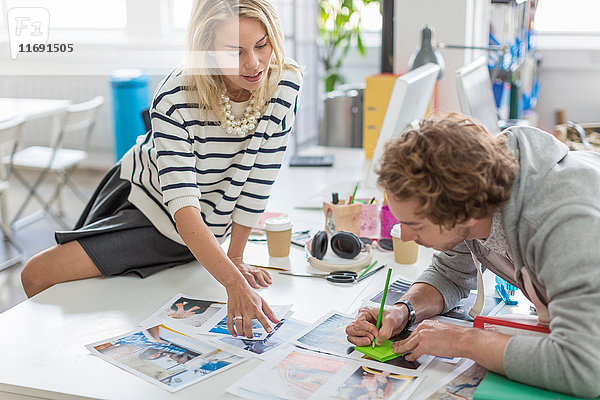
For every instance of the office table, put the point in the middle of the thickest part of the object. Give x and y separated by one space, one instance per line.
42 339
31 109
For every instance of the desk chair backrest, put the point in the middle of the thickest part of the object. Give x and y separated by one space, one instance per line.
146 119
81 119
10 133
77 122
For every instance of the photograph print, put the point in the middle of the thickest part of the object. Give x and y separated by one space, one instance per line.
293 375
218 324
328 335
370 383
165 357
281 334
182 309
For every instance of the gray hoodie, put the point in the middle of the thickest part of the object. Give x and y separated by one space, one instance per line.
552 223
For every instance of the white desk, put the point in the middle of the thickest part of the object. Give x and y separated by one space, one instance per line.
31 108
42 339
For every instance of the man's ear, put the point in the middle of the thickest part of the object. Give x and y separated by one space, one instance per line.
471 222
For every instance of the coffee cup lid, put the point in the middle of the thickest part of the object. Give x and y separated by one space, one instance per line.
395 232
277 224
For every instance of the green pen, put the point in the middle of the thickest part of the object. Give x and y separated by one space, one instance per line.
353 194
385 290
364 271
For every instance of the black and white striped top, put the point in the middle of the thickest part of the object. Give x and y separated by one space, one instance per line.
187 159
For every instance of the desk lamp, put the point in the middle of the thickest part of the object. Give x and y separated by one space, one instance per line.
426 53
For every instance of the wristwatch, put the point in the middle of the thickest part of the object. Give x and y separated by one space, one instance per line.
412 315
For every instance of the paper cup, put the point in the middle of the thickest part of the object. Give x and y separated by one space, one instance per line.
404 252
279 236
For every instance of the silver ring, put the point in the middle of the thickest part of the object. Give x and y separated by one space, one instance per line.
236 318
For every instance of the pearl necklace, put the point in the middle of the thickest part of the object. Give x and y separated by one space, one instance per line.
239 127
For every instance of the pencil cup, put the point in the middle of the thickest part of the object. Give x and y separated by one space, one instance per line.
279 236
342 217
387 222
404 252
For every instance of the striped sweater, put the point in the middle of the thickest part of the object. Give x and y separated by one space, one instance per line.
187 159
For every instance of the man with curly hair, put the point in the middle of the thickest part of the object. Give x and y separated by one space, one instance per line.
519 204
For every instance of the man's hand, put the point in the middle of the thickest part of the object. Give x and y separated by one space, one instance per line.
362 331
254 276
435 339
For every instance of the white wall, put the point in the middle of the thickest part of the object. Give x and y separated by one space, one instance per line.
76 89
146 44
569 76
570 80
357 68
95 62
458 22
304 16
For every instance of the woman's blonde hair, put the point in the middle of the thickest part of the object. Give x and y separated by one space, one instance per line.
206 18
452 166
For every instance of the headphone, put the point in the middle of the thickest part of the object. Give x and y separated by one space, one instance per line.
343 244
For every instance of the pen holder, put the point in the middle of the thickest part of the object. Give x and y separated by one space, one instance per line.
342 217
387 222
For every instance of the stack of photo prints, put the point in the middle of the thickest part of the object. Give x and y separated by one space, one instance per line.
186 341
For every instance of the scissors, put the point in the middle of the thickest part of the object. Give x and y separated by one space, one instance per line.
335 276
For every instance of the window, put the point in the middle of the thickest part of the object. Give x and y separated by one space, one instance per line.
371 23
371 20
573 16
80 14
180 13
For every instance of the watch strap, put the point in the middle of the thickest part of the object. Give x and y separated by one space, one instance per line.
412 315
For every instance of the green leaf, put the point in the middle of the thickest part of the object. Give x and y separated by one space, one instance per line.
359 45
332 79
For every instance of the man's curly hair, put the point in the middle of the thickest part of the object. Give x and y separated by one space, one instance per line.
453 166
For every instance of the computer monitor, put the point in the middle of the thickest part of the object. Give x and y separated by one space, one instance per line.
475 94
408 104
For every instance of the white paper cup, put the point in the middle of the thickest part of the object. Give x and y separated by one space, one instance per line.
404 252
279 236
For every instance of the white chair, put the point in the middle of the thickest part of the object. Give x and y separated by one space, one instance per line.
55 159
10 132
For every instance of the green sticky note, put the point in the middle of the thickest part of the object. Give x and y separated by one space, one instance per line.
381 353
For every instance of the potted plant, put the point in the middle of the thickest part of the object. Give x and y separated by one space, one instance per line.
339 29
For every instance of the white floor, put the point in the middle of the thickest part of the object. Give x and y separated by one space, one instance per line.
38 235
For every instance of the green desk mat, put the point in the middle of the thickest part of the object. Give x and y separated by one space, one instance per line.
495 386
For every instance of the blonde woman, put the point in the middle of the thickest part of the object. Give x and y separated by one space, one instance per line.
202 173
